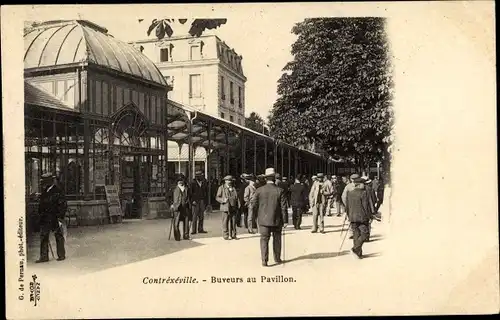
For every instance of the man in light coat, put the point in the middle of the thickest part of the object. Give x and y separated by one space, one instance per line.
349 187
227 196
270 202
318 202
249 191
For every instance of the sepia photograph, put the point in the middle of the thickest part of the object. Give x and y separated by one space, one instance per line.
252 160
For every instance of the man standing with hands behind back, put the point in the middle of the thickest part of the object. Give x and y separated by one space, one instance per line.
270 202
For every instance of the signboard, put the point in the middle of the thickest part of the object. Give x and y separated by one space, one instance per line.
113 200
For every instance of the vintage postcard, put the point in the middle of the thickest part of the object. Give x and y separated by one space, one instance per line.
250 159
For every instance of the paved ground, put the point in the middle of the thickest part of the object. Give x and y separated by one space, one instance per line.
96 248
107 265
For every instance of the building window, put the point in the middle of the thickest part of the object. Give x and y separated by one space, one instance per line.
231 118
222 115
240 98
231 92
239 121
222 88
164 55
195 86
195 53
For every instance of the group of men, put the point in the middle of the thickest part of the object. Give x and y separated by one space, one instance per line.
260 203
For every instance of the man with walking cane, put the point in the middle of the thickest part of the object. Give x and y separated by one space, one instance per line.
270 203
181 209
359 208
52 210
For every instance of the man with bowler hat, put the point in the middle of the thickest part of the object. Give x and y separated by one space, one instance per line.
52 210
199 198
272 216
227 196
181 208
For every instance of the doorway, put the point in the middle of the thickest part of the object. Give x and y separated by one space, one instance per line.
131 186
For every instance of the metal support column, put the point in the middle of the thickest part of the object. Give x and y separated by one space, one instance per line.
86 157
208 173
255 156
282 162
243 153
265 154
290 165
275 156
226 165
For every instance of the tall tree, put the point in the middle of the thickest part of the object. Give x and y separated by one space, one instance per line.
255 122
337 91
164 27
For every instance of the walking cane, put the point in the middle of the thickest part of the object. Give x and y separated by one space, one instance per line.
345 235
51 251
171 224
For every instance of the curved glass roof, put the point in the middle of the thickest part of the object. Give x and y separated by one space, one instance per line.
56 43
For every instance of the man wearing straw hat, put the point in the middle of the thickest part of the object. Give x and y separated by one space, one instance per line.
227 196
270 203
52 210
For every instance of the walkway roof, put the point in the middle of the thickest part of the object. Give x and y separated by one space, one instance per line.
178 129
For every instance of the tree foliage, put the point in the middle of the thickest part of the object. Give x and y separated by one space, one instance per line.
163 27
337 91
255 122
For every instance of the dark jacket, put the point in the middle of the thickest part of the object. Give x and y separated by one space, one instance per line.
270 203
199 193
359 206
299 195
182 199
52 206
241 191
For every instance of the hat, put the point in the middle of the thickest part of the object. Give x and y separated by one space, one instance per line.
180 177
228 177
270 173
313 177
48 175
246 176
198 173
354 176
284 178
299 177
358 180
278 176
320 175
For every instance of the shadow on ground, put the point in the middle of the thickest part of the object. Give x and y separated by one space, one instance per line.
320 255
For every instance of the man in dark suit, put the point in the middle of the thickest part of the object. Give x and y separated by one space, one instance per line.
359 208
199 198
241 195
299 197
52 210
270 203
180 207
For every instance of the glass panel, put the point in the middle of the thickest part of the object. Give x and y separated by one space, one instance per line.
119 97
126 96
105 98
135 97
98 97
141 102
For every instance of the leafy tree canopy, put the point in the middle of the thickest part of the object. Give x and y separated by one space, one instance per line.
163 27
337 91
255 122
